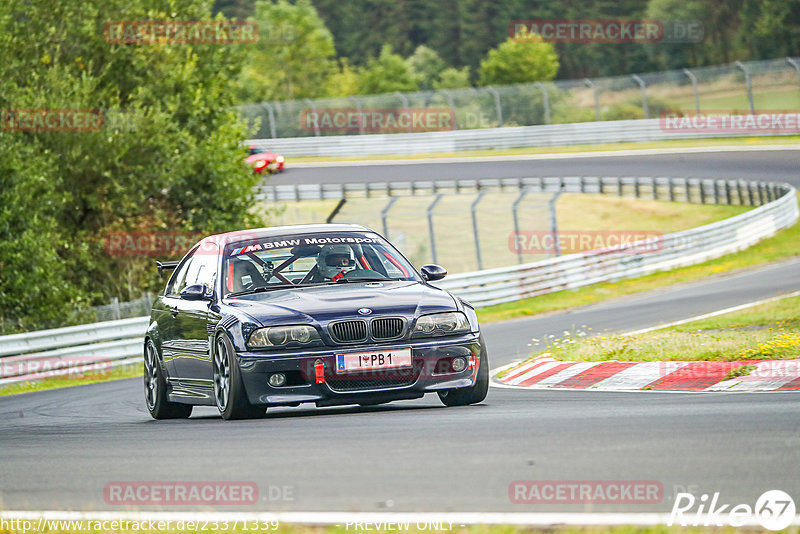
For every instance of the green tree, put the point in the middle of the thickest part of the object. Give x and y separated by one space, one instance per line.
294 56
519 60
426 66
166 158
452 78
386 74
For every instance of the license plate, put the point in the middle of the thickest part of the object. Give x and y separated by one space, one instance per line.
364 361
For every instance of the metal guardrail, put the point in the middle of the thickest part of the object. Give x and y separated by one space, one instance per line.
583 133
60 351
572 271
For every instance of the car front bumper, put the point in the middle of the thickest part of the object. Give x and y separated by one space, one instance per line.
430 372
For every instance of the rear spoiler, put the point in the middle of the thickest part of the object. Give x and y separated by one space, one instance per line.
166 266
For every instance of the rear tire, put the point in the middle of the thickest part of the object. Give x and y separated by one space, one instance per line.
155 388
229 391
473 394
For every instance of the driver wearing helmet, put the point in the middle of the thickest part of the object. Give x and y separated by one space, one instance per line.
335 261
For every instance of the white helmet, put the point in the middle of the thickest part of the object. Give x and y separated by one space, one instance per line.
333 259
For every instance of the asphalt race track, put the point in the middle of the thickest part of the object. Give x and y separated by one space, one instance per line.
59 449
770 165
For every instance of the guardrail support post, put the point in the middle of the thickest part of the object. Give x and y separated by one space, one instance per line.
643 87
474 209
385 214
271 116
545 101
740 192
693 79
554 220
671 190
497 106
310 103
749 84
796 66
514 208
589 83
430 225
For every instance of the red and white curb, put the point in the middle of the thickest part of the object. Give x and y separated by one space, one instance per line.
546 372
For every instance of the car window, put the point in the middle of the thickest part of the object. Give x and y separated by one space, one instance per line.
207 267
176 281
311 259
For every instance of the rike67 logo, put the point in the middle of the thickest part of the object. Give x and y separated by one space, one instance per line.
774 510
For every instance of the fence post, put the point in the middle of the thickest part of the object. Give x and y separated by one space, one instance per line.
497 106
384 215
545 101
693 78
452 108
404 100
271 116
643 87
310 103
749 84
796 66
430 225
591 85
360 116
554 221
514 207
473 208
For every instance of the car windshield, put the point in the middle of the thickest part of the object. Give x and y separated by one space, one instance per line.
311 259
253 151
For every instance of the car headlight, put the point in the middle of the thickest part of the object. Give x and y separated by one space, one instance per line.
439 324
279 159
276 336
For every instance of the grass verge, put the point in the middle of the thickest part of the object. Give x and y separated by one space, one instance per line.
128 371
770 331
691 143
783 245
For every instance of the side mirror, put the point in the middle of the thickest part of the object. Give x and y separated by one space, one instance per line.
432 272
195 292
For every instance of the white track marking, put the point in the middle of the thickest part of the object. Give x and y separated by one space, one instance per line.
713 314
343 518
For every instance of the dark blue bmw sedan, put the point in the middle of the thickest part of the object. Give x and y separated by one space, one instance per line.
330 314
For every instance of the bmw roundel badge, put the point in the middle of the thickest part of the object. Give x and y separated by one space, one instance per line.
364 311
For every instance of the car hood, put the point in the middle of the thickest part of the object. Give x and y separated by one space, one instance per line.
268 156
341 301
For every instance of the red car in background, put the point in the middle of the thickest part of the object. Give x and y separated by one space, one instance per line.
264 160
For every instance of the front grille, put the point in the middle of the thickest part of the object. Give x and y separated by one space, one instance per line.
349 331
388 328
378 379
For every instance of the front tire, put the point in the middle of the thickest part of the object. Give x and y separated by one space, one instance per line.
229 391
473 394
155 389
